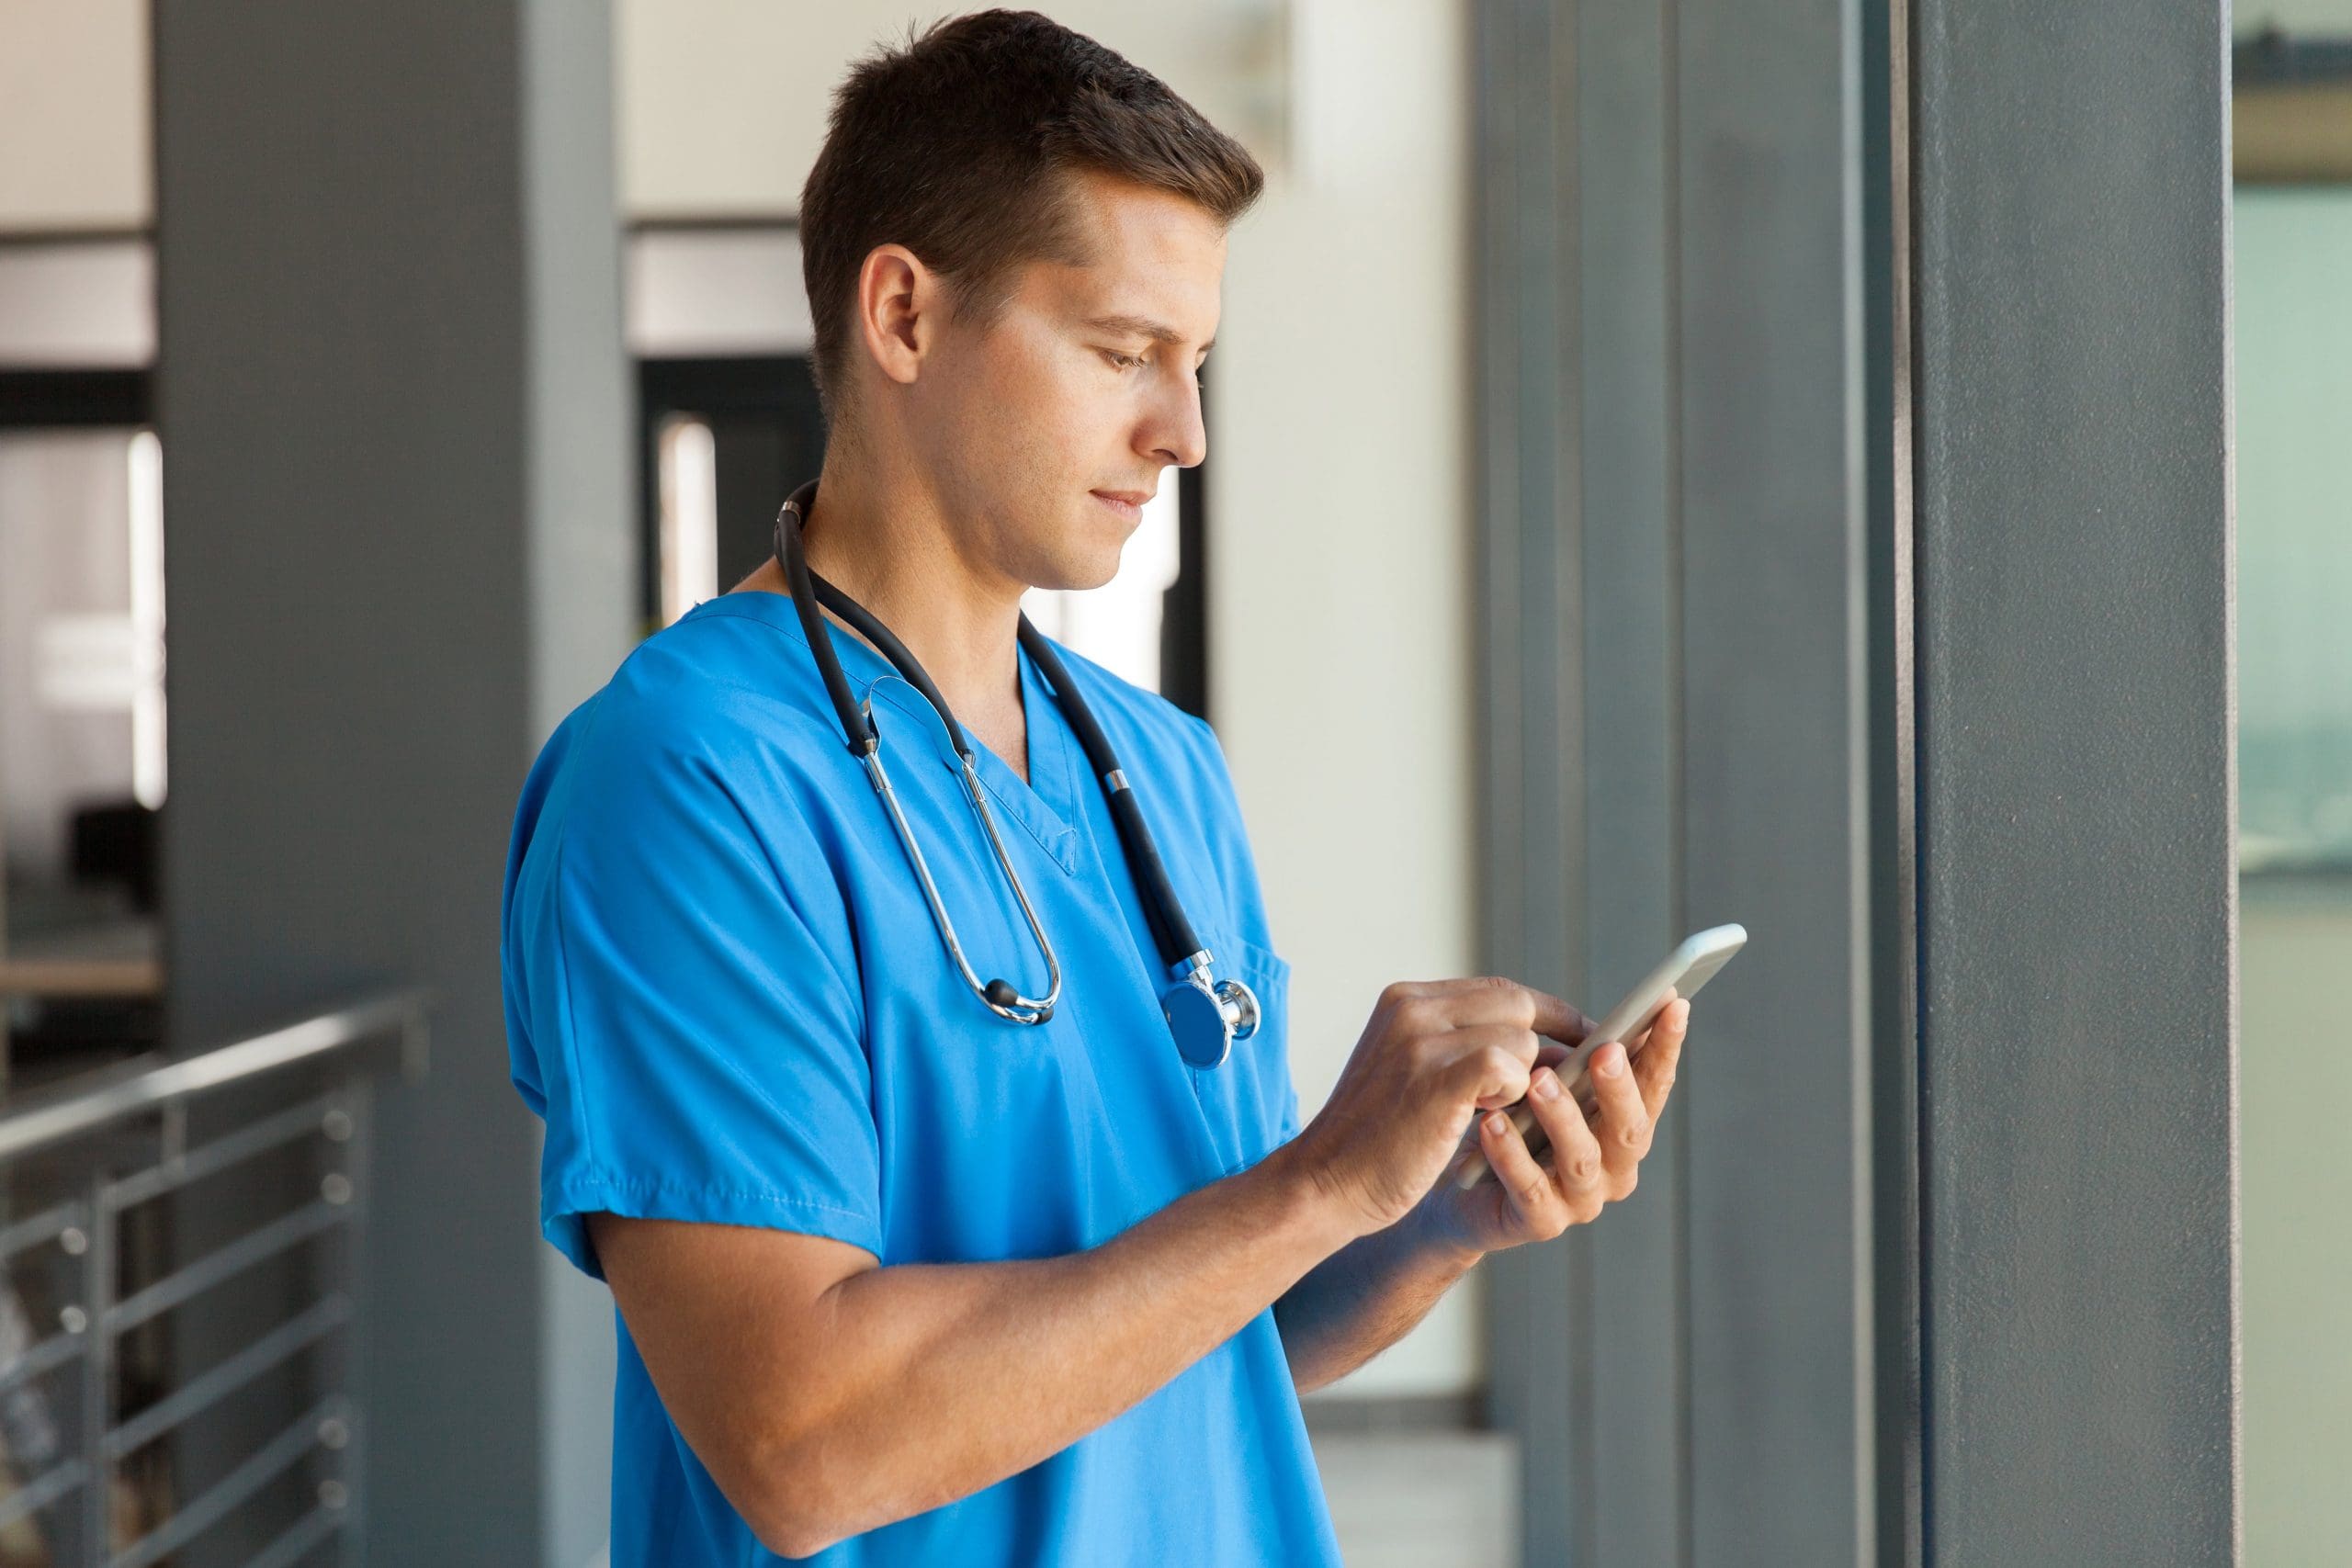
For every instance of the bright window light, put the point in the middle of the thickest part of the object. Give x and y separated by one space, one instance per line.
689 460
147 727
1117 624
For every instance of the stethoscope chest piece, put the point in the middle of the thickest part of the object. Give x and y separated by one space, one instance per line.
1206 1018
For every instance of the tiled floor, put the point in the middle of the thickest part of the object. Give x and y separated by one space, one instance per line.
1422 1499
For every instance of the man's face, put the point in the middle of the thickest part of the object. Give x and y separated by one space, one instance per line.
1069 400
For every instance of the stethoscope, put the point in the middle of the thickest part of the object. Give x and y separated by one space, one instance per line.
1206 1014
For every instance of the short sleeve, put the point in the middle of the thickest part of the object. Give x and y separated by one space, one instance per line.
675 952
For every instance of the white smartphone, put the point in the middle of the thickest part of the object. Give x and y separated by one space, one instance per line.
1684 970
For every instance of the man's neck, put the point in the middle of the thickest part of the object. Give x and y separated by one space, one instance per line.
888 543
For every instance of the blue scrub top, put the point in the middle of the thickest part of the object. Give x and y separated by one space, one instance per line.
725 997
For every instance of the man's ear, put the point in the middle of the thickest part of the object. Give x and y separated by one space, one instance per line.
898 300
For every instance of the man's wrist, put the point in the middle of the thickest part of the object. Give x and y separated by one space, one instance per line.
1430 1231
1320 1213
1435 1230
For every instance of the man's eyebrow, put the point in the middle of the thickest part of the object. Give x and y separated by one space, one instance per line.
1142 326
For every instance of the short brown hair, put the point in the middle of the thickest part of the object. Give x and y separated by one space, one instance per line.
958 147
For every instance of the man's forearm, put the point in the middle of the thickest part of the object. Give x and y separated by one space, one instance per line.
940 1380
1364 1298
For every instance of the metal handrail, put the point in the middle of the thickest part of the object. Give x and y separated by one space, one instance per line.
72 1109
81 1121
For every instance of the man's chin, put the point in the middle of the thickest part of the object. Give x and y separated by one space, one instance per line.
1080 581
1082 570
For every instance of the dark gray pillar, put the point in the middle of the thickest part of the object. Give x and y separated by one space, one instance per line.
1775 732
1676 662
1531 822
2076 785
396 461
1629 522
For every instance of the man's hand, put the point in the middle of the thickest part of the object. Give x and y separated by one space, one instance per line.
1594 1159
1430 1058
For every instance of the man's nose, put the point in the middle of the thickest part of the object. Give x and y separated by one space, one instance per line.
1181 436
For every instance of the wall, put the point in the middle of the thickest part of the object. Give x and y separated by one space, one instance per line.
2295 1080
1338 488
2326 17
75 121
722 103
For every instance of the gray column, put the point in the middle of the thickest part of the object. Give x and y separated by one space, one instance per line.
1630 526
2076 782
1775 733
396 455
1530 624
1676 517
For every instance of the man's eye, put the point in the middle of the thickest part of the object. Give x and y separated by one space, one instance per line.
1122 360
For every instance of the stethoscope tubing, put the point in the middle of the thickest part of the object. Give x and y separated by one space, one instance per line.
1230 1003
1164 911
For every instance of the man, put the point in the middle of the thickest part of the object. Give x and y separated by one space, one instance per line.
901 1279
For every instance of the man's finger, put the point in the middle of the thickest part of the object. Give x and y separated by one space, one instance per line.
1576 1165
1496 998
1654 1068
1528 1184
1558 1021
1623 1127
1559 1122
1492 1083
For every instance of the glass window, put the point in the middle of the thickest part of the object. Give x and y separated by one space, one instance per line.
2294 508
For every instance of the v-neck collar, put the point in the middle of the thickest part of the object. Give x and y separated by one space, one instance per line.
1045 806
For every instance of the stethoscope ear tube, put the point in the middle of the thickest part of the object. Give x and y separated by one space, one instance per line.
1161 907
1177 940
859 733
